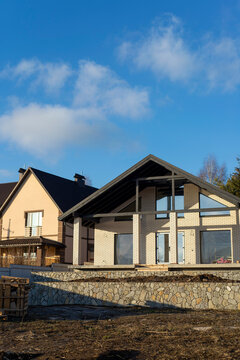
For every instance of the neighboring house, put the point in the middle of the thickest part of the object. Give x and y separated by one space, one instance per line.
156 213
30 232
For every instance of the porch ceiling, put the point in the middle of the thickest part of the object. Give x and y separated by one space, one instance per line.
126 188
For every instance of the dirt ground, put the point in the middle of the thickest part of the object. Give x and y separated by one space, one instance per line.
73 332
155 278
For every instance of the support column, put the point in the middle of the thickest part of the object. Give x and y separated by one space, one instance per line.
236 240
77 240
136 238
173 238
39 256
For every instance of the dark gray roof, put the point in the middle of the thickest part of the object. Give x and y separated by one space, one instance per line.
123 187
5 190
66 193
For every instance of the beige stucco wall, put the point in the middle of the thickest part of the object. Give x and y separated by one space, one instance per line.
30 197
190 225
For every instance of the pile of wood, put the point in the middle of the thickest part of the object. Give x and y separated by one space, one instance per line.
14 296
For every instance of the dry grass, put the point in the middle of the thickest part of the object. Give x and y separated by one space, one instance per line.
167 334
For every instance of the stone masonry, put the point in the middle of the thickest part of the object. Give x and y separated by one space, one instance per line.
58 290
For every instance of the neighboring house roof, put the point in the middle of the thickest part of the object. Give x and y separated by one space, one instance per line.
5 190
123 187
65 193
33 241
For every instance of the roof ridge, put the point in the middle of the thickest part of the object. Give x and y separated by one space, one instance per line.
48 173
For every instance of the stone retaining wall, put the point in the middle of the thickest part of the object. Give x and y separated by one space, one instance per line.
178 295
55 288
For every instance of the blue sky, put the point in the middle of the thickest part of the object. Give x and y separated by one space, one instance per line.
94 86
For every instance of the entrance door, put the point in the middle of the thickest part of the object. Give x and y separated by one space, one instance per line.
163 249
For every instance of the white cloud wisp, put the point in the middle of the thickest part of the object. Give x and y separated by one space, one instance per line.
100 100
165 51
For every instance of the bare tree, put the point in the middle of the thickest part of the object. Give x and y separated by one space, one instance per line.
212 172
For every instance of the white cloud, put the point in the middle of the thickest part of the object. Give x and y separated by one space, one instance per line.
42 129
222 63
99 100
165 51
100 87
51 76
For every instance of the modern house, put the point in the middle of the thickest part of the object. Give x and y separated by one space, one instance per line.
156 213
30 232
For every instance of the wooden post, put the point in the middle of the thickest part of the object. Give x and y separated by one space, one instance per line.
137 196
39 255
173 192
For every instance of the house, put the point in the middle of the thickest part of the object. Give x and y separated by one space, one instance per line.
156 213
30 232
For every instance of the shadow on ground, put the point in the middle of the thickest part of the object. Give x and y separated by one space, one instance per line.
119 354
87 312
18 356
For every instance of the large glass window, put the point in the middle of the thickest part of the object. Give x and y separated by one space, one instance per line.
164 202
123 254
215 246
208 203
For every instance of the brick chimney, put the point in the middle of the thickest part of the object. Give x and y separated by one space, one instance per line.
21 173
79 179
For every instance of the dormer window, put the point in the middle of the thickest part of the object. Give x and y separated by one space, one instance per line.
33 225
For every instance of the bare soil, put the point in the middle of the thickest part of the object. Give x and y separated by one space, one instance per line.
51 333
155 278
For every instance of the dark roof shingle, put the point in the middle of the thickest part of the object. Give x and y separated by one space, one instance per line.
66 193
5 190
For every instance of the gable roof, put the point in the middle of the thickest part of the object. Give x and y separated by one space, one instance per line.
5 190
65 193
123 187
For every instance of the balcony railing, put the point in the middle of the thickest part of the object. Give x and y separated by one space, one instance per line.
33 231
